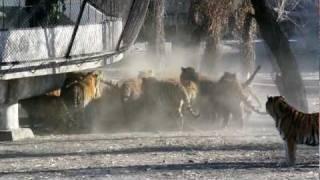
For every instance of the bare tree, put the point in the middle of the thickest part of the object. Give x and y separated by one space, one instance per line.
156 37
245 28
298 17
290 81
285 7
212 16
44 12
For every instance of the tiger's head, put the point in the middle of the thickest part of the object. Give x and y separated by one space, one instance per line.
145 73
188 74
275 106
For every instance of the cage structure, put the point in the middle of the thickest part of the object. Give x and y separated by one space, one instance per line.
42 40
43 37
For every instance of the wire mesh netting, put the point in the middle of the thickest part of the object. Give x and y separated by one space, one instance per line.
34 31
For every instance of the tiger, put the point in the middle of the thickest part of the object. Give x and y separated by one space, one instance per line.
232 99
63 109
129 92
295 127
225 95
48 112
78 91
81 88
172 95
130 89
145 73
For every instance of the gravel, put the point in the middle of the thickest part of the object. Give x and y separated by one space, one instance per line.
255 152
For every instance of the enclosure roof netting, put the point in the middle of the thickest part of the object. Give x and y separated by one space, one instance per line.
117 8
132 13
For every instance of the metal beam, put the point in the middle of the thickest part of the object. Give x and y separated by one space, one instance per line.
137 12
75 30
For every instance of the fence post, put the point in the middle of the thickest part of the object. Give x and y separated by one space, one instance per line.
75 30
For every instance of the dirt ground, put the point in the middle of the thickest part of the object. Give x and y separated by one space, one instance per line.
255 152
252 153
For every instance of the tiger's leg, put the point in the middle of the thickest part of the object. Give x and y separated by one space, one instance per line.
237 115
226 116
246 112
180 120
290 147
191 110
220 114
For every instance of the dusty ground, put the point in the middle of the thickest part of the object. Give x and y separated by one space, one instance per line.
251 153
255 152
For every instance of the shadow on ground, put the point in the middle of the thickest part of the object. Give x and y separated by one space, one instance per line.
144 149
127 170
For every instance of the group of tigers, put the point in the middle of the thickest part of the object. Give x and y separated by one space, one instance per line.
221 99
149 94
224 98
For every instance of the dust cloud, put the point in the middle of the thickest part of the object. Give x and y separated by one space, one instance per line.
107 113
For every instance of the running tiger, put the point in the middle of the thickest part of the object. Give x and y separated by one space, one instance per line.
295 127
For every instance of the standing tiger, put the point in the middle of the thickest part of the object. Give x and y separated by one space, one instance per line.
295 127
170 96
230 98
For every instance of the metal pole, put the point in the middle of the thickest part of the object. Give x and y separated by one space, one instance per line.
3 18
75 30
20 9
125 27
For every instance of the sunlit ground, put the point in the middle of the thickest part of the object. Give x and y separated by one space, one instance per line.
252 153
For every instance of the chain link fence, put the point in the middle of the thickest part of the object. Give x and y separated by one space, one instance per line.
38 32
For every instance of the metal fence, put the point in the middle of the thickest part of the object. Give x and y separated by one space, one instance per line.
15 14
36 33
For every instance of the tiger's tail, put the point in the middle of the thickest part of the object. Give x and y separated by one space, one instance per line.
192 111
312 137
254 97
253 108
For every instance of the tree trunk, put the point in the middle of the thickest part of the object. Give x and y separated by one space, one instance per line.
198 27
278 43
37 12
247 48
212 55
156 37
